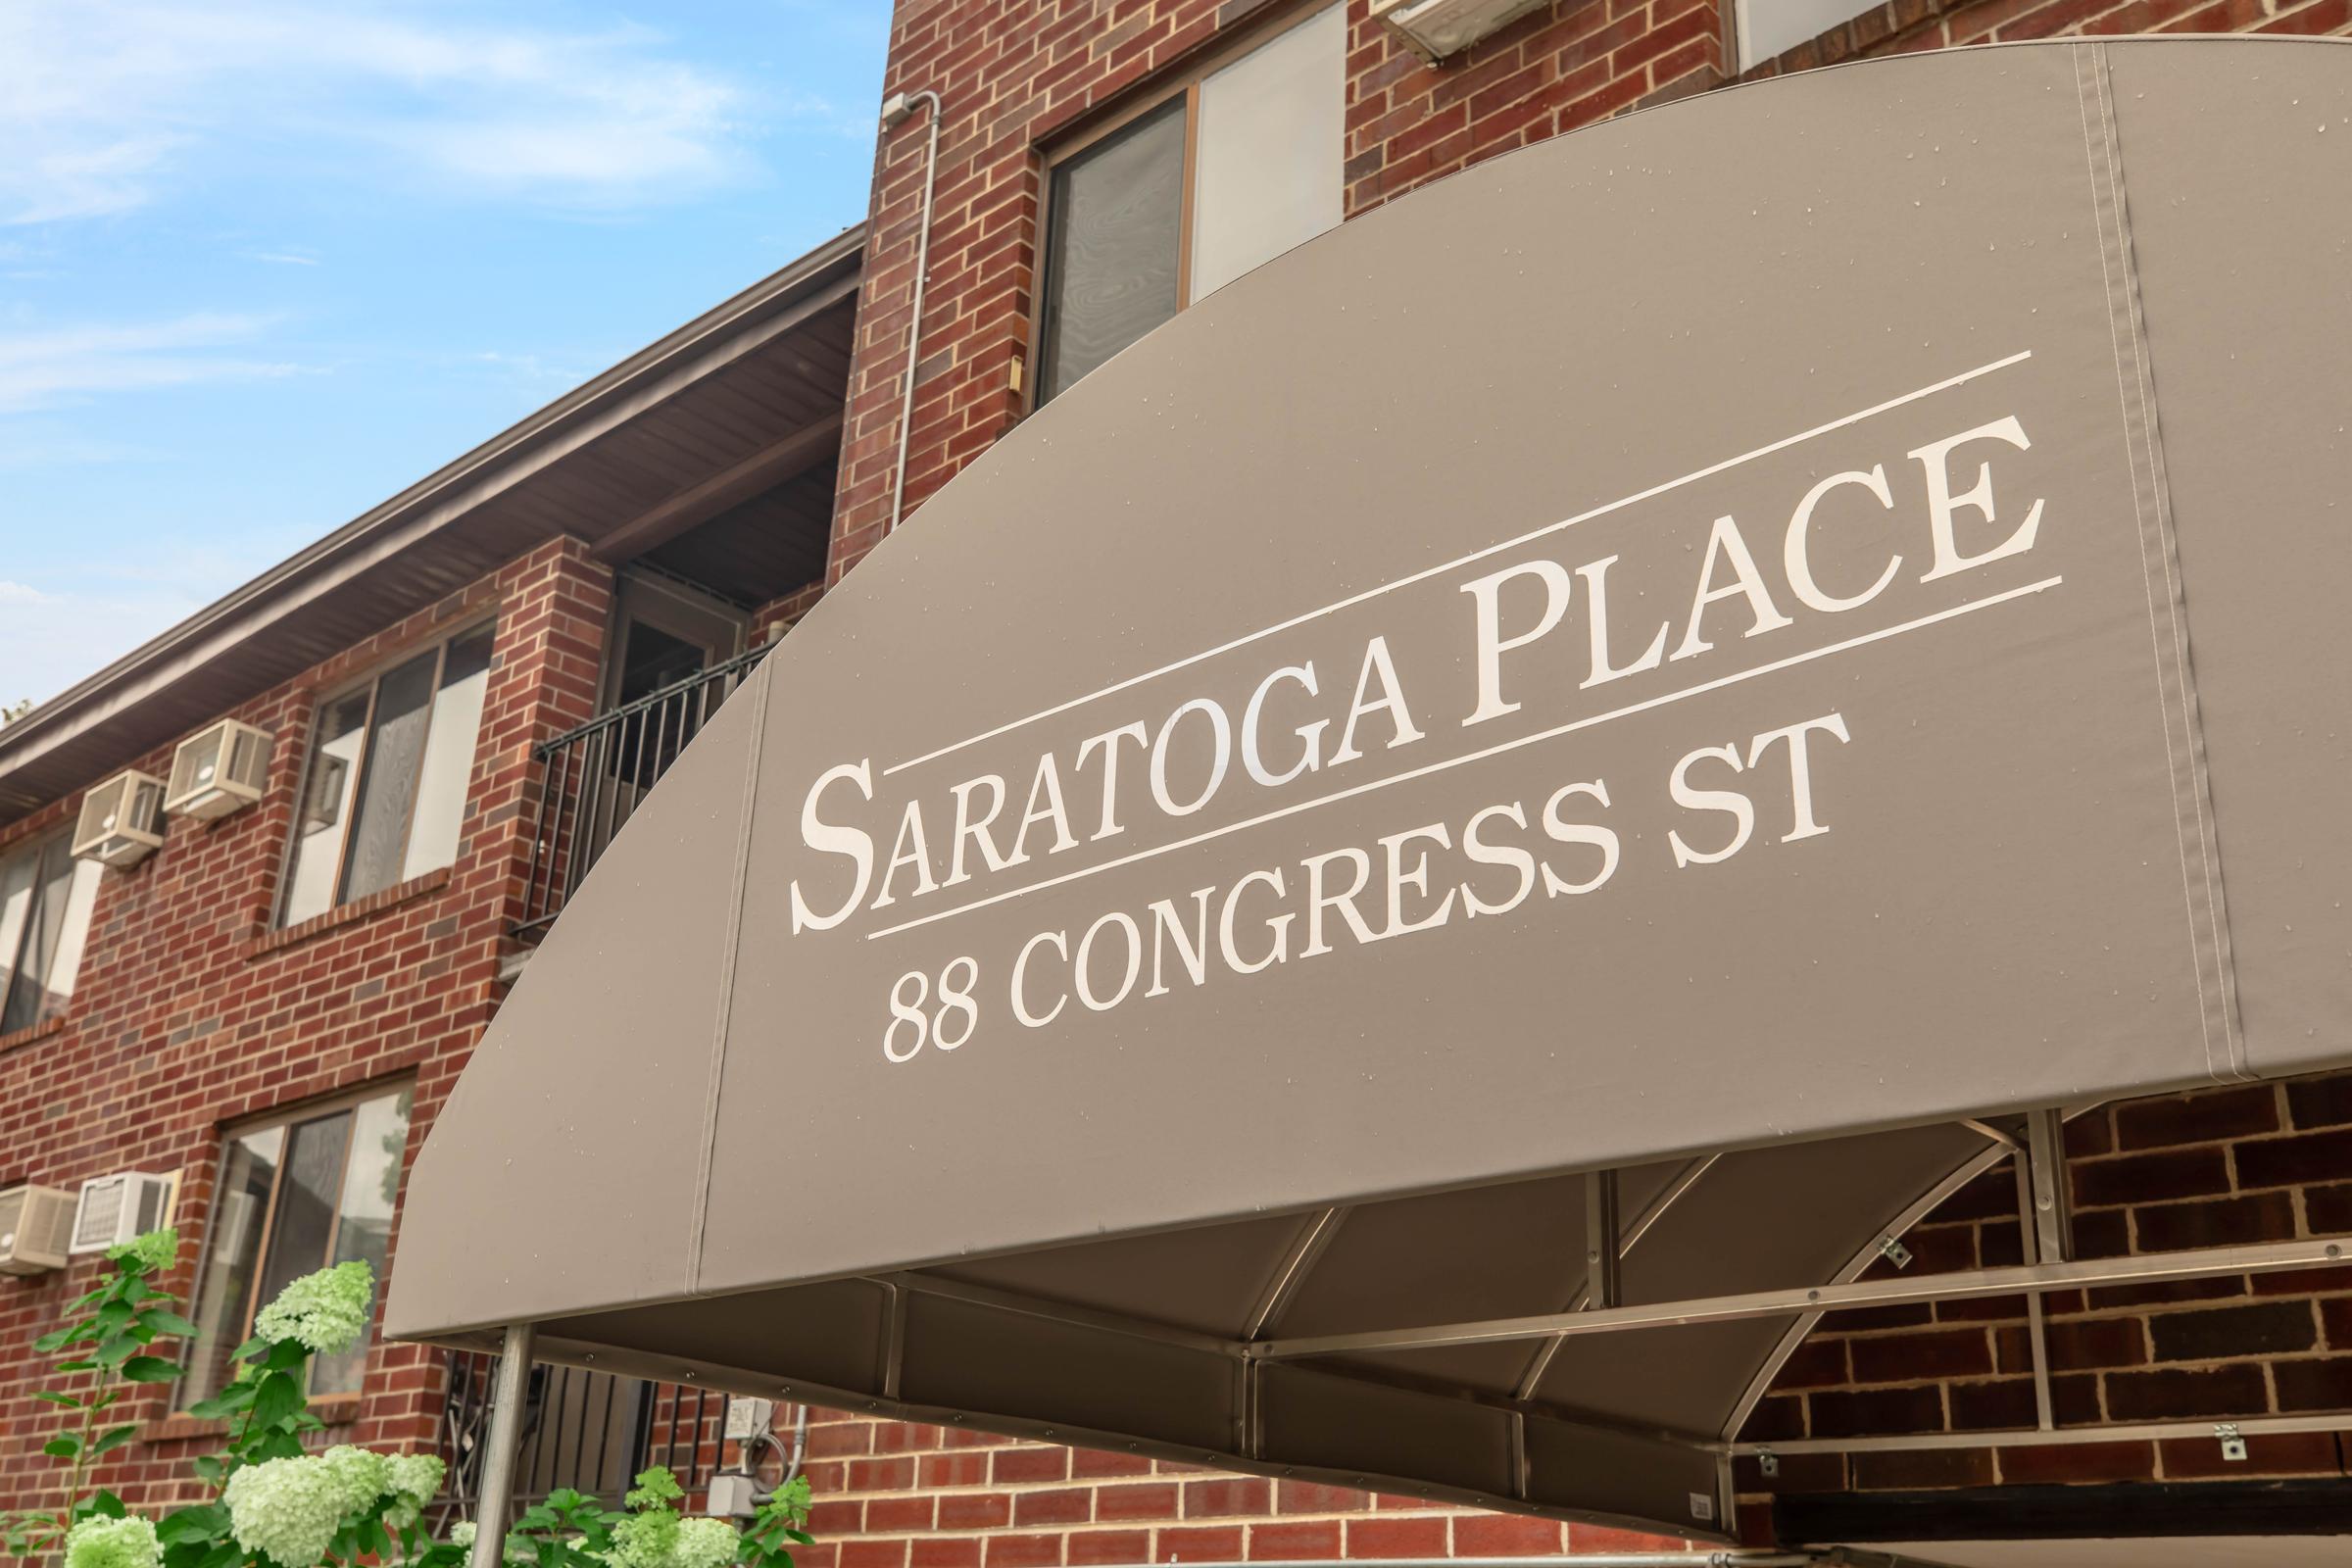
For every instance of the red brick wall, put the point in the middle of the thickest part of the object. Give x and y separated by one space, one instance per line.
190 1011
1015 74
2266 1162
896 1495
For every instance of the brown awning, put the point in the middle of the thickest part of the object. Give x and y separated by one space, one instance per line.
1708 649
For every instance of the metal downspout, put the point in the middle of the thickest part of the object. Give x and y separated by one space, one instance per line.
897 110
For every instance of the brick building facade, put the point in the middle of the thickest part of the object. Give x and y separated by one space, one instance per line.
197 1011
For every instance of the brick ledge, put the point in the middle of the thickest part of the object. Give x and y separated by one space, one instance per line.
343 914
32 1032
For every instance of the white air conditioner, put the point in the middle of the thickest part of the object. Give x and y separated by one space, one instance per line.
36 1225
122 820
121 1208
217 770
1436 29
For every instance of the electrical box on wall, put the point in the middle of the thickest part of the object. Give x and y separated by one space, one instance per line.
122 820
218 770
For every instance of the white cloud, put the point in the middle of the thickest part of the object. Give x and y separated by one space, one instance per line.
103 103
47 367
281 258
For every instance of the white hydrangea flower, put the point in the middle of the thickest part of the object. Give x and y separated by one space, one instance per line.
286 1509
326 1311
704 1544
360 1475
415 1477
461 1534
112 1544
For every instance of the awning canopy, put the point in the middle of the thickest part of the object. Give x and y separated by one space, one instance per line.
1709 649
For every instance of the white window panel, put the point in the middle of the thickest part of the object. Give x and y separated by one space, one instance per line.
1270 149
1770 27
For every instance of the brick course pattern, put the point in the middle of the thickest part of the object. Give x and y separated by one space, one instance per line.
192 1010
901 1494
1014 74
2264 1163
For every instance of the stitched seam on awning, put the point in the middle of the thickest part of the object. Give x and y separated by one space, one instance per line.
2168 629
729 952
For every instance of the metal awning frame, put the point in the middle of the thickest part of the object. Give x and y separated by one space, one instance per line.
2043 1212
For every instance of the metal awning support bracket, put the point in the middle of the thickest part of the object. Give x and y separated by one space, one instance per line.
2053 1231
2037 1338
1958 1285
1603 1254
506 1397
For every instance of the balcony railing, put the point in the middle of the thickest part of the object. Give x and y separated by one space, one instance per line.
592 1431
591 778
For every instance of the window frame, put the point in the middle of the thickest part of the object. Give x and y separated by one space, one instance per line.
36 847
286 1118
1180 81
372 683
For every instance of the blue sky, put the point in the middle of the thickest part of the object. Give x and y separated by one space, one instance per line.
264 263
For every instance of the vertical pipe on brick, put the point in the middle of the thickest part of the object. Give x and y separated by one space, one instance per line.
897 110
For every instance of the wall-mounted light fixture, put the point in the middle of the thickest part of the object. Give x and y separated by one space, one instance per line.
1436 29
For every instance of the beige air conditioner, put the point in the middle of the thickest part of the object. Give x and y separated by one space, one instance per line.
36 1225
118 1209
122 820
217 770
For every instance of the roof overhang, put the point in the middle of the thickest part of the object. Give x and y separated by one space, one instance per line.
634 487
1747 890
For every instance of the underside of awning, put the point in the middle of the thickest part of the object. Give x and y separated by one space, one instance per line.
1269 1109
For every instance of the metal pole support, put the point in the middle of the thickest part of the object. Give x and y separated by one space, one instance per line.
506 1397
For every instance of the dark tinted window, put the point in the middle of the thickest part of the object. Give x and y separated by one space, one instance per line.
1111 258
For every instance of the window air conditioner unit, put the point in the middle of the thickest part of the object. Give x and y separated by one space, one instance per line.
36 1224
117 1208
1436 29
122 820
217 770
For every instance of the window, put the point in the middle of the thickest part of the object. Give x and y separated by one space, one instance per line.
295 1196
385 790
1769 28
1231 171
45 899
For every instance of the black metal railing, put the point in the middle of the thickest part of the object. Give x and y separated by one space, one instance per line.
592 1431
591 778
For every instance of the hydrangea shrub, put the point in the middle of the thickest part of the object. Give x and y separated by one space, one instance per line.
274 1502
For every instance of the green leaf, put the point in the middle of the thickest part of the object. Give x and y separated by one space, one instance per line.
64 1445
287 1355
51 1343
228 1403
112 1316
277 1399
208 1522
209 1469
150 1369
54 1397
163 1320
112 1437
107 1505
76 1367
116 1350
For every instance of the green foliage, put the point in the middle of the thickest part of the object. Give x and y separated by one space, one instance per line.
122 1318
272 1503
